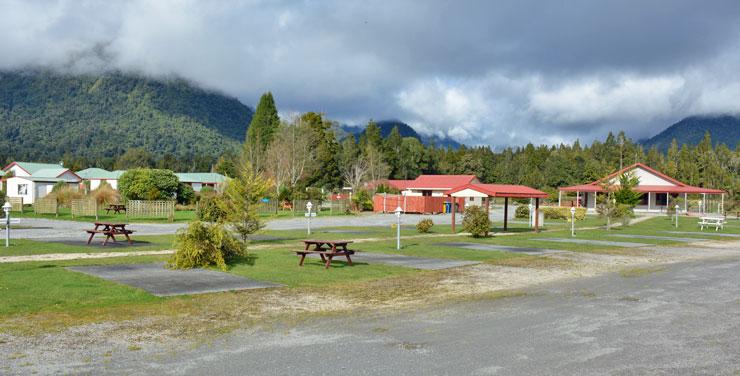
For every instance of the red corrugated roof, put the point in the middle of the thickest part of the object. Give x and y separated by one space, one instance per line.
441 181
400 184
501 190
679 187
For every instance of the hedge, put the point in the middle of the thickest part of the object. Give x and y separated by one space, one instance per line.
557 212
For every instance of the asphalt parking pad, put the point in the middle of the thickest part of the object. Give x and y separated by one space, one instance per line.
504 248
708 233
672 238
160 281
594 242
410 262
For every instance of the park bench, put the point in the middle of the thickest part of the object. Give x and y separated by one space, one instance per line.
327 250
110 230
716 222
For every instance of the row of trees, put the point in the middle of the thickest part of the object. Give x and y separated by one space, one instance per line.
312 151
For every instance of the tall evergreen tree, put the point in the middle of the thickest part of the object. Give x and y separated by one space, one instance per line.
261 130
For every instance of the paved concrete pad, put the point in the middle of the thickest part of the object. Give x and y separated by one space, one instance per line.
672 238
494 247
160 281
708 233
410 262
593 242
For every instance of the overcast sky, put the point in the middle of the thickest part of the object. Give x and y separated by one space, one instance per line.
482 72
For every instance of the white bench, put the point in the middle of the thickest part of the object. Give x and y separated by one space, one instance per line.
716 222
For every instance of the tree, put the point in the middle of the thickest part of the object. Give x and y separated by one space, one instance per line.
354 174
134 158
626 193
261 130
240 197
225 165
376 166
606 207
148 184
290 155
476 221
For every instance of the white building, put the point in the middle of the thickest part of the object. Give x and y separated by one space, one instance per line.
96 176
31 181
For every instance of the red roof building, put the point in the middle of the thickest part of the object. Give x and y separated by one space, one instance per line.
655 186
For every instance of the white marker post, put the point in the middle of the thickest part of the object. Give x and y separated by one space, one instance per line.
6 209
572 221
531 218
398 227
309 205
676 216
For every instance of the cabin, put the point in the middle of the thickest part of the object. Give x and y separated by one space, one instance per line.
659 191
94 177
199 180
31 181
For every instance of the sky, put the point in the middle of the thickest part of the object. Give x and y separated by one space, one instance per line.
482 72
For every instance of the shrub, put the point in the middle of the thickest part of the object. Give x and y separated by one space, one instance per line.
148 184
105 194
558 212
185 194
209 209
476 221
65 195
424 225
202 244
362 200
522 211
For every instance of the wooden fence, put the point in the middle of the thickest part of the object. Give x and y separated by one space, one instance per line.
384 203
270 207
46 205
84 208
17 204
152 209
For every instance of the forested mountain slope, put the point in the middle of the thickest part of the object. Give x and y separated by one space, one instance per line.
45 115
724 129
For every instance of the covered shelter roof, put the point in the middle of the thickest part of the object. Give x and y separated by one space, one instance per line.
497 190
661 183
439 182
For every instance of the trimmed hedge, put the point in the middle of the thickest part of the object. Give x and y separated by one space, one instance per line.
557 212
424 225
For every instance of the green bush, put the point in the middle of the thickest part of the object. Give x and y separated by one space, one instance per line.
209 209
362 200
148 184
202 244
558 212
424 225
522 211
185 194
476 221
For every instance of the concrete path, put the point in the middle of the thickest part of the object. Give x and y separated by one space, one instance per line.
78 256
50 229
593 242
160 281
671 238
494 247
699 233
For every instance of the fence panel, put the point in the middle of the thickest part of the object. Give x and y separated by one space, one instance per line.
17 204
270 207
84 208
46 205
153 209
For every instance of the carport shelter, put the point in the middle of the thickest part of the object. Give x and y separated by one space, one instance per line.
486 191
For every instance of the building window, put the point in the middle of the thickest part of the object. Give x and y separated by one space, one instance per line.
472 199
22 189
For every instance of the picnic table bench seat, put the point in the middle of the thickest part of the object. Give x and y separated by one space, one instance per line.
716 222
336 248
110 230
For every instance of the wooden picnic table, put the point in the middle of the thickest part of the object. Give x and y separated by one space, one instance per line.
326 249
110 230
117 208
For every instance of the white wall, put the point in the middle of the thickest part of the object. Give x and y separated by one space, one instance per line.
646 178
12 190
95 183
18 171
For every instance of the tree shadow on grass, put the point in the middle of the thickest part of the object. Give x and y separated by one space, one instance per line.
250 259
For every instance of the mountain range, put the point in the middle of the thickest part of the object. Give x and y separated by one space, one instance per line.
45 115
724 129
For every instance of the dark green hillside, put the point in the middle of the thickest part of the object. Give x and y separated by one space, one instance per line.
724 129
44 115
